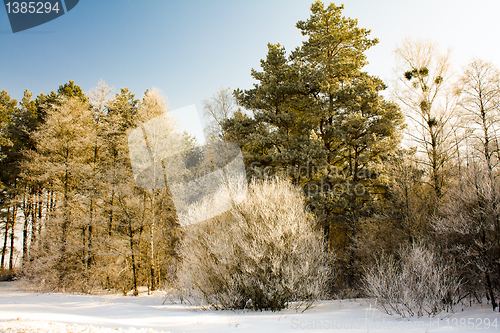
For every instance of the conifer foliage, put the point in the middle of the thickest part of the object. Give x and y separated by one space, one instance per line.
316 110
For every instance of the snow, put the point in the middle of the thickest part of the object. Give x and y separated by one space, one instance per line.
18 325
22 311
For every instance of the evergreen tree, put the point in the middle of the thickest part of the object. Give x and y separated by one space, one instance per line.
321 121
61 162
8 206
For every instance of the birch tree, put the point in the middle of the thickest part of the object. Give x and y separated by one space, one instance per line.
470 215
424 88
217 110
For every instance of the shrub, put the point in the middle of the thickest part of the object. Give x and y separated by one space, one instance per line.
262 254
417 284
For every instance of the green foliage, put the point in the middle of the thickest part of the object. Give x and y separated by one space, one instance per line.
8 107
88 226
408 75
316 109
420 72
71 90
124 109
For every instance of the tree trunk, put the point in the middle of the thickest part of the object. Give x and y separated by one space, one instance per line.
134 268
40 220
12 230
34 227
25 239
489 289
111 208
66 222
151 243
6 236
27 212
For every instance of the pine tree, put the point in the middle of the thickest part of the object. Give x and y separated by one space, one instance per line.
64 149
318 112
8 206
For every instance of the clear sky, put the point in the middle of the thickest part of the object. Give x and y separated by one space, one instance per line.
188 49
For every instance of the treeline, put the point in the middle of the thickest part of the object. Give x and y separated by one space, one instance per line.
67 184
394 185
414 177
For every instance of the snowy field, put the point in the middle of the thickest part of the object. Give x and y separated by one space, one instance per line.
32 312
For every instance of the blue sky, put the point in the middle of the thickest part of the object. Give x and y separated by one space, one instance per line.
188 49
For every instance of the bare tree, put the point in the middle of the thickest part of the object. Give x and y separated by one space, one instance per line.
220 107
424 90
479 89
472 214
164 147
153 104
468 220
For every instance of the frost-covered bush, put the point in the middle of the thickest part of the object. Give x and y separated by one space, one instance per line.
418 284
262 254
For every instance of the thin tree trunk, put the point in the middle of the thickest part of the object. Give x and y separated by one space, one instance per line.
4 248
489 288
34 227
12 231
65 224
151 240
27 210
89 255
151 243
6 236
111 210
89 247
40 220
84 245
134 268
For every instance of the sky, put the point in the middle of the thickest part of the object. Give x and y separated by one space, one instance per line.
189 49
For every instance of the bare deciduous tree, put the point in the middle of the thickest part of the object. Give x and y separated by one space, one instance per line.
479 89
468 220
424 89
470 216
220 107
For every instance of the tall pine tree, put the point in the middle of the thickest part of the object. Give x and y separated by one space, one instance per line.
320 120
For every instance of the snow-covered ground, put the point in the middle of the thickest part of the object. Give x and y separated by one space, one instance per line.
33 312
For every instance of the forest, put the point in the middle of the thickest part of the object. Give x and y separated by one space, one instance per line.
356 187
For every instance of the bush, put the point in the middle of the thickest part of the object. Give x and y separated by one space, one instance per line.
417 284
262 254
